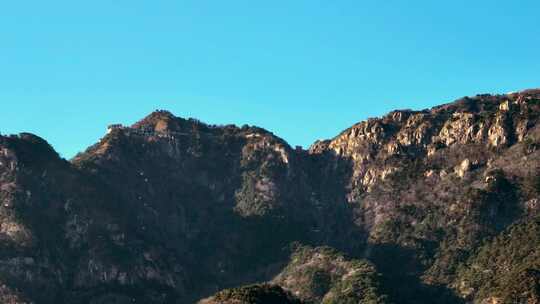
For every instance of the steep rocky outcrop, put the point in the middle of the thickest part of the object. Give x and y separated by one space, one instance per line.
429 186
172 210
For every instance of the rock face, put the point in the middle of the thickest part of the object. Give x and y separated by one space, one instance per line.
171 210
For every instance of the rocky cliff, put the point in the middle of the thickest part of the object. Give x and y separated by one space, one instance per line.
172 210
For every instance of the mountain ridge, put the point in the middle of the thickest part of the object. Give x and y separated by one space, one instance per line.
171 210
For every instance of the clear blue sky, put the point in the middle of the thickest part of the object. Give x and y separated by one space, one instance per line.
304 69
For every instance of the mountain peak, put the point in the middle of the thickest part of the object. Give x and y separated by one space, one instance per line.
159 120
160 114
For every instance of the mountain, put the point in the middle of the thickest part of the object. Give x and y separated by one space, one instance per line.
432 206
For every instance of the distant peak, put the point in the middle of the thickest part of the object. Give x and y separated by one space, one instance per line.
165 121
160 120
161 114
158 115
